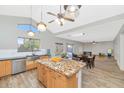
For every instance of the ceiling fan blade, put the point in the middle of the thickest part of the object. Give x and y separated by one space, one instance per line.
51 13
69 19
51 21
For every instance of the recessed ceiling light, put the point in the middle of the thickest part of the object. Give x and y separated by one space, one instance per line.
84 33
78 34
93 42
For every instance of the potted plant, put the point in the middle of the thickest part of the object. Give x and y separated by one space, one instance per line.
63 55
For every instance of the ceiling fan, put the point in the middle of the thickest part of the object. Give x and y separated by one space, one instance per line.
60 17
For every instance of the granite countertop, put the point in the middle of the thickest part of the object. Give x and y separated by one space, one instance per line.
66 66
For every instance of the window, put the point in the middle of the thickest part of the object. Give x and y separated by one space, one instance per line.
26 27
28 44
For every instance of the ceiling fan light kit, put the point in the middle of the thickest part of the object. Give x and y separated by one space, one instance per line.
60 21
61 17
72 8
72 11
72 15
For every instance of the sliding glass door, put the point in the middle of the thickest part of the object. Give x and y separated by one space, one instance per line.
69 50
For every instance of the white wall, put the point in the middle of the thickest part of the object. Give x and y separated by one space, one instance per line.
9 34
122 52
119 48
48 41
100 47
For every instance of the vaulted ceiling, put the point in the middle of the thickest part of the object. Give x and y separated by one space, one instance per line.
98 22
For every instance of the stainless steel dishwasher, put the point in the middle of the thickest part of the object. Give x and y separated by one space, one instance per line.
18 65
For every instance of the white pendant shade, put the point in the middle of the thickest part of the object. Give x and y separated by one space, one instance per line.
41 27
30 34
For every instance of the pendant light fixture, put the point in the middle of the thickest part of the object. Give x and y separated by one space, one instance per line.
30 33
41 26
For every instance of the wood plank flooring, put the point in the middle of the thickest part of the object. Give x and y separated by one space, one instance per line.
22 80
106 74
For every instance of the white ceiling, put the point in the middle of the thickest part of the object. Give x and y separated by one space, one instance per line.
88 14
98 33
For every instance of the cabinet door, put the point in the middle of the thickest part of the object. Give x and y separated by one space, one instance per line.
8 67
51 79
2 69
59 83
39 72
45 75
30 65
51 83
5 68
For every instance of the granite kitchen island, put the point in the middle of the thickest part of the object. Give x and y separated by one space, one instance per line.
64 74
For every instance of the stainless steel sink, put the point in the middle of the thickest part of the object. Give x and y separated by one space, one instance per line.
32 57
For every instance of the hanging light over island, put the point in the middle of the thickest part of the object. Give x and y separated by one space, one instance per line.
31 34
41 26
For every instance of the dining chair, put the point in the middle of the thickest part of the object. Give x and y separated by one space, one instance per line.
93 61
90 62
87 61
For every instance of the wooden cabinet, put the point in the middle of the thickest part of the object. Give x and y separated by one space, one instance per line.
60 81
44 57
42 74
38 72
53 79
5 68
2 68
56 80
30 65
8 67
